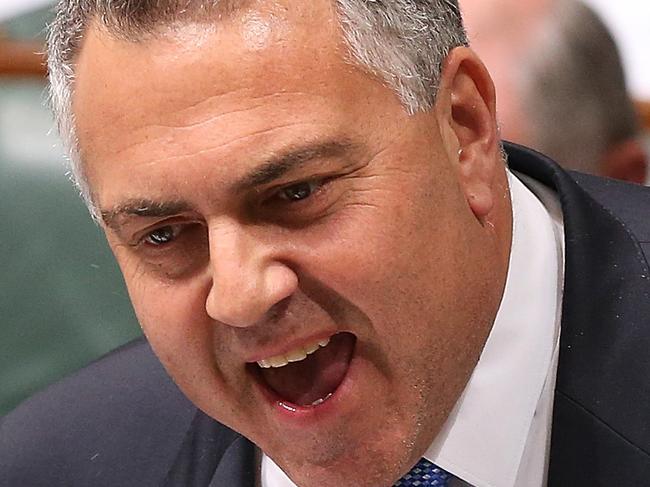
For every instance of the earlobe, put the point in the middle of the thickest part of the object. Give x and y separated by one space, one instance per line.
466 109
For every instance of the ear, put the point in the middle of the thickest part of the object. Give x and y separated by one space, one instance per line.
466 112
627 161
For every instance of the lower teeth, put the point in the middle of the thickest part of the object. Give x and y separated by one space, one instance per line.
321 400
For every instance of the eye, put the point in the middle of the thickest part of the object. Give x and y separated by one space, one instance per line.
300 191
299 203
162 236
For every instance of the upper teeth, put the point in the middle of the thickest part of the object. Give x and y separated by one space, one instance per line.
295 355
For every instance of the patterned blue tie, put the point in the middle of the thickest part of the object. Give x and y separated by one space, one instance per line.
424 474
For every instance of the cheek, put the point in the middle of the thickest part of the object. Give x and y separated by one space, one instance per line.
391 248
182 336
172 315
403 263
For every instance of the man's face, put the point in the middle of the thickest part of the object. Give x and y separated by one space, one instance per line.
261 196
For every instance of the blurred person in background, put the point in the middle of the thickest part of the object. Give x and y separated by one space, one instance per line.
560 83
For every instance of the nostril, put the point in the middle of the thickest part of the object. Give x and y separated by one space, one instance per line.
279 310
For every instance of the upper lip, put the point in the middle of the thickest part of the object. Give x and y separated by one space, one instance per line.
283 348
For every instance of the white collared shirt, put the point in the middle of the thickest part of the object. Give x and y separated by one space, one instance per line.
498 434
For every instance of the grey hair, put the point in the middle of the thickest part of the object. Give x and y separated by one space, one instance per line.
575 89
403 42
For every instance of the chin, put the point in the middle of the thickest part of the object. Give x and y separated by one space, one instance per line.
347 473
352 460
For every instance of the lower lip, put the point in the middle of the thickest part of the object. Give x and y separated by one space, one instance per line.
305 415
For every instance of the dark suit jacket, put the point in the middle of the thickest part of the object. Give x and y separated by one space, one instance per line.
122 422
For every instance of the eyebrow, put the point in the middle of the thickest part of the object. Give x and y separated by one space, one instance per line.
272 169
277 166
144 208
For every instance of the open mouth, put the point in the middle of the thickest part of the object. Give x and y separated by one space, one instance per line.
308 375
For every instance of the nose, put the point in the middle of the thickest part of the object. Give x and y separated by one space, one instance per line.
247 277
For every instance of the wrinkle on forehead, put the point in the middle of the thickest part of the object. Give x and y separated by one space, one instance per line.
134 109
211 150
205 109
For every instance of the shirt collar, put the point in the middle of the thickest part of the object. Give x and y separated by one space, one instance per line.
483 439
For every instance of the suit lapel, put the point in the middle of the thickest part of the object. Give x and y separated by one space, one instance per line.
238 467
212 455
600 421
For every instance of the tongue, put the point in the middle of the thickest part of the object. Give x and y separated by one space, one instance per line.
305 382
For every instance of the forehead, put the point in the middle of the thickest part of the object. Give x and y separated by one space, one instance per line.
233 92
224 56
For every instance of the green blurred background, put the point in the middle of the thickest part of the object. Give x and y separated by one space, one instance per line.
62 298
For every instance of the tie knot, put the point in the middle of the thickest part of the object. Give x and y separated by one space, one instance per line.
424 474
